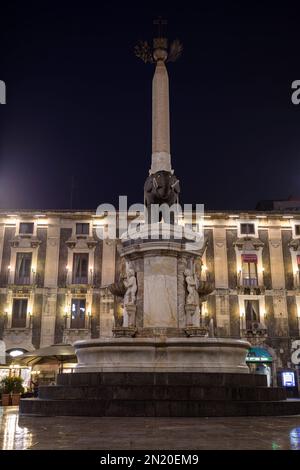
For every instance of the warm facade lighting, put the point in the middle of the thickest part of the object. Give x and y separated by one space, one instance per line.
16 353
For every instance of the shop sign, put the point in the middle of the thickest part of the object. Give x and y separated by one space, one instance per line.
258 359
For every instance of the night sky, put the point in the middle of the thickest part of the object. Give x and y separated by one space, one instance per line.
79 102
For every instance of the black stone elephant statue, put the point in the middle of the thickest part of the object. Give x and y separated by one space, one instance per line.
160 188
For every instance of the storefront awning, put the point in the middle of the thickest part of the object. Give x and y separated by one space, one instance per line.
256 354
61 353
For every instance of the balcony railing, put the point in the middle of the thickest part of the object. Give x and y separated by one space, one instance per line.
297 280
92 279
32 280
249 282
249 285
18 322
253 329
23 280
80 280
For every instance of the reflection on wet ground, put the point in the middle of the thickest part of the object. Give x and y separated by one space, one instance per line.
295 438
277 433
13 436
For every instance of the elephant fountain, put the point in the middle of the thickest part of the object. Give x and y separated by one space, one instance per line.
161 188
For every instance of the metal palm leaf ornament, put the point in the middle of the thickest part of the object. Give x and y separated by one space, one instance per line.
146 53
175 51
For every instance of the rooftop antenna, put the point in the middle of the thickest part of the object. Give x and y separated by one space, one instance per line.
72 191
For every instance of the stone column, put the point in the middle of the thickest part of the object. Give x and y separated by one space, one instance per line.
51 278
220 258
106 314
278 282
276 258
108 263
221 280
161 158
106 320
2 227
3 297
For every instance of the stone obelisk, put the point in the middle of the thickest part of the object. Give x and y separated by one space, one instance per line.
161 158
161 188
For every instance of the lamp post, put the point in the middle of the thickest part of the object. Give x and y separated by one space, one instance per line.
242 315
66 275
8 274
66 316
89 319
30 319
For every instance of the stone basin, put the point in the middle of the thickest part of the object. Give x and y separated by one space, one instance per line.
162 354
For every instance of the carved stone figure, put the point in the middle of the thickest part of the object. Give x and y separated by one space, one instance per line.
191 284
131 287
130 298
161 187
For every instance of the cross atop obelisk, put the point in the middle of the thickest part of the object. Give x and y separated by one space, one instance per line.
159 22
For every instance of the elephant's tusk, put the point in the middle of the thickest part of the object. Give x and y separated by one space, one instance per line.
174 184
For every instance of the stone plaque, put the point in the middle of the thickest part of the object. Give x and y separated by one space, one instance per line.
160 291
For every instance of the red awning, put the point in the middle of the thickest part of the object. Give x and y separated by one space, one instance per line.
249 258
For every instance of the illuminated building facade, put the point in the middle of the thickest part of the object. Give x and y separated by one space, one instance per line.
55 274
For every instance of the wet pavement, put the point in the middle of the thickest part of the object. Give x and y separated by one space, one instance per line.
277 433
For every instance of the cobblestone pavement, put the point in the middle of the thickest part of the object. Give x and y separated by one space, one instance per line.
147 433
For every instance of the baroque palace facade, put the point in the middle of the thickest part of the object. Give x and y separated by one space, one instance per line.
55 274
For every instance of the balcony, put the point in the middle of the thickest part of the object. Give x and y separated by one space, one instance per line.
296 283
254 330
249 285
92 280
24 283
80 280
23 280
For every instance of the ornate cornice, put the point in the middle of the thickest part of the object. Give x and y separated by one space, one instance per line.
248 243
18 240
295 244
75 241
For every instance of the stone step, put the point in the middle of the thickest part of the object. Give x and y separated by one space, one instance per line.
162 378
157 408
161 392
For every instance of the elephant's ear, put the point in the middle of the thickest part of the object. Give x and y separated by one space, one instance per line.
148 184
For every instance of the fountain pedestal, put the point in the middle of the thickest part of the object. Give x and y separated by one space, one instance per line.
167 335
